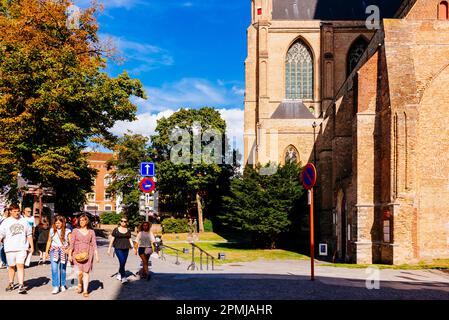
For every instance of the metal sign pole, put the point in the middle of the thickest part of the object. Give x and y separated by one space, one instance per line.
312 241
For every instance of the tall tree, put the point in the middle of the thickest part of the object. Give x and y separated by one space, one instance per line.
130 150
260 205
199 173
54 94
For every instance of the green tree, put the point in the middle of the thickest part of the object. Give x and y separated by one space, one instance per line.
55 96
260 205
130 150
197 179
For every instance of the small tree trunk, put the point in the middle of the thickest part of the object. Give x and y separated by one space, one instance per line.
200 212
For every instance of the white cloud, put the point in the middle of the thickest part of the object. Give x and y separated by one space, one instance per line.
190 93
147 122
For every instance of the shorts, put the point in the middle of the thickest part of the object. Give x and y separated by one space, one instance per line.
16 257
142 251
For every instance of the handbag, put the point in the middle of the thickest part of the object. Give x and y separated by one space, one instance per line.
82 257
148 251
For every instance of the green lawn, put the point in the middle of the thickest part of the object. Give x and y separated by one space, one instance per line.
234 251
240 250
205 236
440 264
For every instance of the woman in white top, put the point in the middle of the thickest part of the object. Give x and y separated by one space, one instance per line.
143 246
58 246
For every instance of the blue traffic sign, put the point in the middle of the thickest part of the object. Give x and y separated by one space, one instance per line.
309 176
147 169
147 185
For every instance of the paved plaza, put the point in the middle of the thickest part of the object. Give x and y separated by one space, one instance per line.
264 280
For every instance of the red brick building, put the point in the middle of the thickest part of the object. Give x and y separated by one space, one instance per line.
99 200
379 103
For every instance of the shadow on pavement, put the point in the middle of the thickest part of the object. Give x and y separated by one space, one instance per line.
37 282
95 285
233 286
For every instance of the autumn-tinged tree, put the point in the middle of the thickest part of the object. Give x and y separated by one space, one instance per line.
54 93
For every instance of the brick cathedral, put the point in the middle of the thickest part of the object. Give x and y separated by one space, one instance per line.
369 106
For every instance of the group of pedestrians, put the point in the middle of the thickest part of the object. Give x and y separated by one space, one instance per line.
63 246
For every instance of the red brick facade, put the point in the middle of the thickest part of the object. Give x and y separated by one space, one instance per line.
390 145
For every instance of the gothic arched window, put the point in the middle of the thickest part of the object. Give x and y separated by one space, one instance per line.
355 53
299 72
291 154
443 10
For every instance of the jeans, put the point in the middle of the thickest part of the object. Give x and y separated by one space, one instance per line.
58 272
3 254
122 255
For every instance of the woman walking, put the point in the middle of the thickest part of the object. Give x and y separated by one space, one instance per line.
83 247
143 246
58 246
121 241
42 232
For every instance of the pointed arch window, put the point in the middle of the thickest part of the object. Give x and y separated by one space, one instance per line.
355 53
299 72
443 10
291 154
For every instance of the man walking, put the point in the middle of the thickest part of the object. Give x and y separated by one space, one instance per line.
18 243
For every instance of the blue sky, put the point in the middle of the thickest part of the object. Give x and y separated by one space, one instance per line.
187 53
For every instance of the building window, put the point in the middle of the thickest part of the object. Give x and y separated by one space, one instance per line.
108 208
107 180
355 53
291 154
91 197
91 208
299 72
443 10
107 196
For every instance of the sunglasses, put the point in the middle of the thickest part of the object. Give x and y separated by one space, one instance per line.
124 221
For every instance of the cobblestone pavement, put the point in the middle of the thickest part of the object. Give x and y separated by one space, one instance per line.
267 280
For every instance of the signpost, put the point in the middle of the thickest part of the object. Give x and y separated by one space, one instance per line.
309 179
147 185
147 169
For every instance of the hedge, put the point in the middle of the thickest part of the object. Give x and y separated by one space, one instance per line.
172 225
110 218
208 227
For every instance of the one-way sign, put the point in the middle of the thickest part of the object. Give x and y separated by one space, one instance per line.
147 169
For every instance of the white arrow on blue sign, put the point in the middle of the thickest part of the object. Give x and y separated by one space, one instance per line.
147 169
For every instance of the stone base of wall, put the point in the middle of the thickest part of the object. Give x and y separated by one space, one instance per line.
363 252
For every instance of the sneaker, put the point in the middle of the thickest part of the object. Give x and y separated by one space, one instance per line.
55 290
119 276
63 288
10 287
124 280
22 289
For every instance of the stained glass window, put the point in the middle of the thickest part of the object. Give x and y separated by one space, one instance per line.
299 72
355 53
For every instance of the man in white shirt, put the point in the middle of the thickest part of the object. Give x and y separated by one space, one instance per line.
18 243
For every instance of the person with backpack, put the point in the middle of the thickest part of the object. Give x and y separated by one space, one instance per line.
58 247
